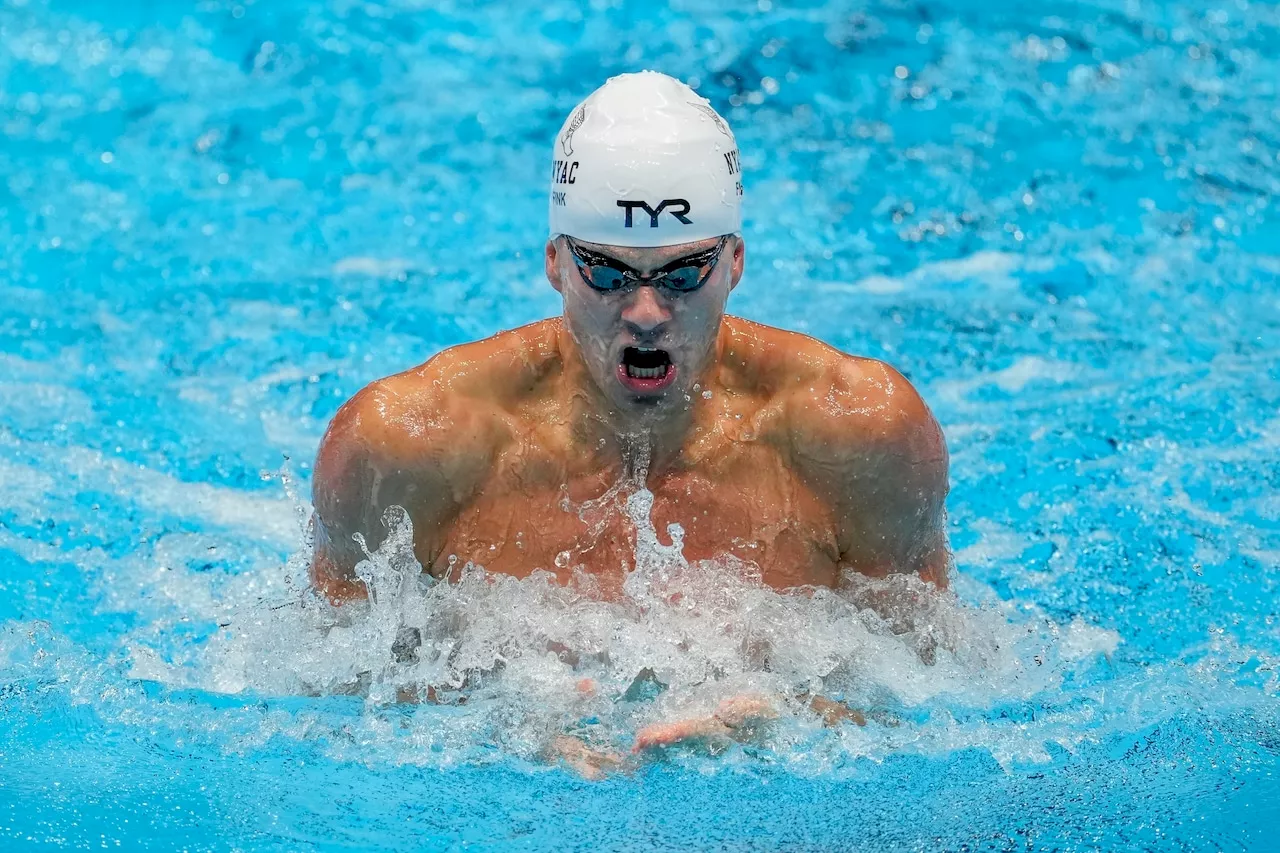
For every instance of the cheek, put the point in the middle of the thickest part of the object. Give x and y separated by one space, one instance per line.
698 315
590 312
590 321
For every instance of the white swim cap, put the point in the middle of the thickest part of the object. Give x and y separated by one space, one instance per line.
645 161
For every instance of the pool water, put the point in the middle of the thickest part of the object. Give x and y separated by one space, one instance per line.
218 220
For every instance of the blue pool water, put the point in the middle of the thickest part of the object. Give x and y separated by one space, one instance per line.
218 220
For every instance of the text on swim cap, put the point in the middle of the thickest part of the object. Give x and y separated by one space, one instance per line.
654 212
735 168
562 171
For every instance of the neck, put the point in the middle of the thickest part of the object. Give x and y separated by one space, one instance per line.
639 439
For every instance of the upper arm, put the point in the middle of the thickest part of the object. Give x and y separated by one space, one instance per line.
387 447
871 446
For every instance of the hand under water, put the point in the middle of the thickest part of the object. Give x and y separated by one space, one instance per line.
743 718
737 718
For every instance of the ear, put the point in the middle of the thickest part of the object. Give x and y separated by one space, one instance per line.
739 261
553 265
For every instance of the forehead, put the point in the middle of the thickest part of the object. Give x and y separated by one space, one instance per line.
644 258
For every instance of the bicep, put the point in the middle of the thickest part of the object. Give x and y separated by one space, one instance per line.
893 520
882 462
359 475
344 505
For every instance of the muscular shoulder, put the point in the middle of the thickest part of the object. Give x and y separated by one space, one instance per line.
862 436
852 406
857 433
402 418
844 416
829 398
423 440
454 401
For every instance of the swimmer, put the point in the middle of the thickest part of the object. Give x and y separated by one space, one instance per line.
761 443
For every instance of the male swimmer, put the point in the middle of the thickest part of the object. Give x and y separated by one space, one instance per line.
761 443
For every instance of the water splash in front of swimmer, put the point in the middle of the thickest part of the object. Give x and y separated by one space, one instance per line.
485 660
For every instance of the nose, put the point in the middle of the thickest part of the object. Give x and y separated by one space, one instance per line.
645 312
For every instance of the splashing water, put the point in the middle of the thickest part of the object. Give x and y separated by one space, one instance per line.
500 661
1058 219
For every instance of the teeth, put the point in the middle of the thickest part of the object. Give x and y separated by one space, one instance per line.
646 372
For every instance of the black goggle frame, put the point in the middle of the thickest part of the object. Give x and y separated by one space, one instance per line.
683 275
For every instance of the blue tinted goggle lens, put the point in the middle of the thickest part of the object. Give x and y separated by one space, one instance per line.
683 275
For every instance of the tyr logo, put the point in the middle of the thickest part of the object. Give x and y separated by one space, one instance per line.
678 208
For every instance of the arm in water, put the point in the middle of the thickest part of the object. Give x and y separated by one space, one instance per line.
740 718
402 441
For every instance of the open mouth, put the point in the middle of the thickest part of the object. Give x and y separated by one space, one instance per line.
646 369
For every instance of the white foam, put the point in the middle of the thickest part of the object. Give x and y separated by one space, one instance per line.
995 543
1014 378
373 267
517 650
995 270
1032 368
262 515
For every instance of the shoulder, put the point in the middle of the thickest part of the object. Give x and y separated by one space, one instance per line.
847 416
857 432
399 417
833 408
867 402
455 400
822 388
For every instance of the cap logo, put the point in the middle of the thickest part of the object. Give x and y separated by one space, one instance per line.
566 138
564 172
710 113
655 212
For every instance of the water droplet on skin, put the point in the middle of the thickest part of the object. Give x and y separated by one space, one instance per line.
562 559
706 395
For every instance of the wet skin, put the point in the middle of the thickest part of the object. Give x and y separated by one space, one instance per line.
767 445
771 446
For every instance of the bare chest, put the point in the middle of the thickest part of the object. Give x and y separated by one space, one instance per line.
530 515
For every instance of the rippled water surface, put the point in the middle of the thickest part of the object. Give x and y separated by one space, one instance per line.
219 220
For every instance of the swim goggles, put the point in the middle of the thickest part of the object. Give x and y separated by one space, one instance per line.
683 275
